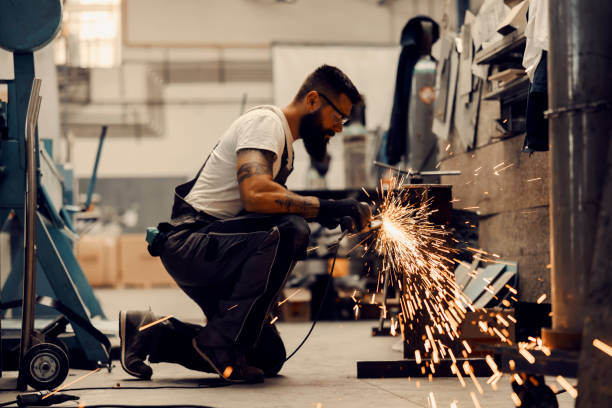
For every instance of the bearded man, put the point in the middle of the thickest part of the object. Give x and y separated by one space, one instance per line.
236 233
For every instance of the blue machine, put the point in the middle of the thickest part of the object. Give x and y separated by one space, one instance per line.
60 283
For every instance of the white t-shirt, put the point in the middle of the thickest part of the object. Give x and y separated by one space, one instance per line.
536 32
216 190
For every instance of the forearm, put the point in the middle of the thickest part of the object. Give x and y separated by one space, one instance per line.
278 200
261 194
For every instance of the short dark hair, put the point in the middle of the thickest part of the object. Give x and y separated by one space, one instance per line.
329 80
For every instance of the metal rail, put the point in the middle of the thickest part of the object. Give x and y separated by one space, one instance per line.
29 270
419 173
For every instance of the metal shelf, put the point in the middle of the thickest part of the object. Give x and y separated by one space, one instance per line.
514 90
502 48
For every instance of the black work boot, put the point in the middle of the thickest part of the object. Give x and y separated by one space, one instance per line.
268 353
229 364
135 344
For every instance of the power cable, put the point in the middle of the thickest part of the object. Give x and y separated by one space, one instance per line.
329 281
315 320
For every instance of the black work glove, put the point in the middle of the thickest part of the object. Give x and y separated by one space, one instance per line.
360 213
329 223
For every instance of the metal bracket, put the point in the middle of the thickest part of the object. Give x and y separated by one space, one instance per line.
581 107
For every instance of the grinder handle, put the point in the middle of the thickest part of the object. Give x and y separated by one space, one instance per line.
347 224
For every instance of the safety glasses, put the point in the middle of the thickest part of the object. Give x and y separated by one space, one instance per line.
343 118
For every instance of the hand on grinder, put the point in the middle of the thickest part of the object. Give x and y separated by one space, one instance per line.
335 210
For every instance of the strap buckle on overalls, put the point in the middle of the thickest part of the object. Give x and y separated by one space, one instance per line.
156 239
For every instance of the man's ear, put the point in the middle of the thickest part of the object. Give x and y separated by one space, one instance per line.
312 101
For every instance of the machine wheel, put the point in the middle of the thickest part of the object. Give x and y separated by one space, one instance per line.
45 366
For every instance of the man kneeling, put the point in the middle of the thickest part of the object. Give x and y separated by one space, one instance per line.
236 233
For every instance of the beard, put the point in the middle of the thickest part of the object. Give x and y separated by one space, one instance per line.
313 133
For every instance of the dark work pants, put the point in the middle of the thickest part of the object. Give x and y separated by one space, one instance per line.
536 132
234 269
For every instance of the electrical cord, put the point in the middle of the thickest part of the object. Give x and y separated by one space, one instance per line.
329 281
43 393
143 406
4 404
315 320
158 387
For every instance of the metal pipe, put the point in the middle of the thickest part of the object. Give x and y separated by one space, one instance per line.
580 123
419 173
29 270
94 175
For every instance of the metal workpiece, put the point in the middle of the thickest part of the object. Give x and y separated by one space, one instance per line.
579 74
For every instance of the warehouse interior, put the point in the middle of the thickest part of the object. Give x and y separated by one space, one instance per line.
480 146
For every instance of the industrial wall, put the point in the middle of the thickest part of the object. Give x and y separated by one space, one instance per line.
257 23
188 71
512 205
188 41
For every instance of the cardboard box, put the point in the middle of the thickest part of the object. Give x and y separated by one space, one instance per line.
98 257
137 267
341 268
297 307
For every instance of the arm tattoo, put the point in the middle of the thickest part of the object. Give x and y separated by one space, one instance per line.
253 162
284 203
256 162
251 169
297 204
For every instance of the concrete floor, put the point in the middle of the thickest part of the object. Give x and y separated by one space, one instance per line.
322 373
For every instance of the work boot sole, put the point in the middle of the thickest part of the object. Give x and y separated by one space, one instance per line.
213 365
122 334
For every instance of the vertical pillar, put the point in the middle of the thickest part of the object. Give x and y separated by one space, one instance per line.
580 126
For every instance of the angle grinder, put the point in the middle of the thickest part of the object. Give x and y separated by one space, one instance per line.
348 223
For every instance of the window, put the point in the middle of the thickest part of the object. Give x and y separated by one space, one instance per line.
90 34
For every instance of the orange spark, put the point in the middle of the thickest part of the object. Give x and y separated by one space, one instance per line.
568 387
491 363
432 400
474 399
146 326
528 356
603 346
71 382
467 368
288 297
516 399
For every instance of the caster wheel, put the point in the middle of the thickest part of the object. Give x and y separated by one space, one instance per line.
61 345
45 366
